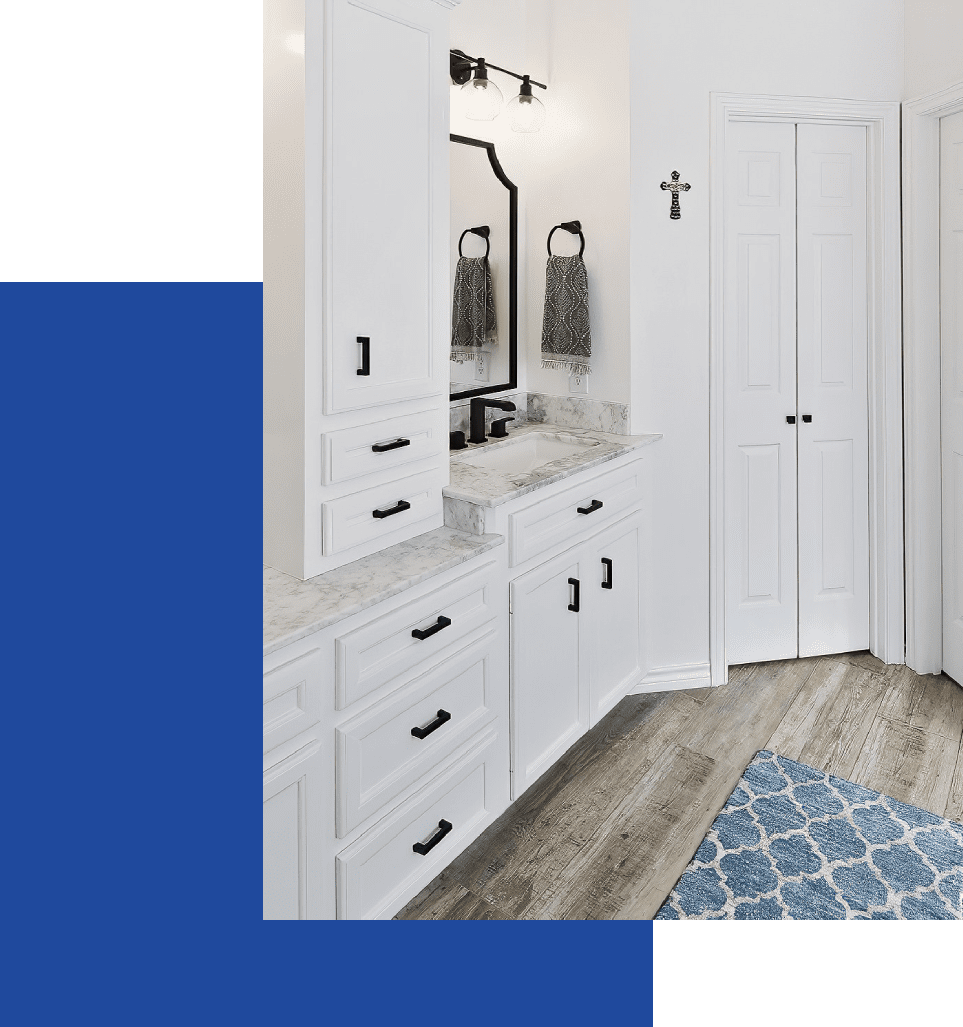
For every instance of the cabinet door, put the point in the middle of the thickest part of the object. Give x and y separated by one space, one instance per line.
293 889
386 144
612 621
550 703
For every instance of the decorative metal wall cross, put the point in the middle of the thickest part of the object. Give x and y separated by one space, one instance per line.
674 186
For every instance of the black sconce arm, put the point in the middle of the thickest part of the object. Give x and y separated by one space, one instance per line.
462 65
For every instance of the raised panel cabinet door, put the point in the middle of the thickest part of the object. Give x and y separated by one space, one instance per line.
386 155
833 444
951 333
759 343
549 680
613 614
293 866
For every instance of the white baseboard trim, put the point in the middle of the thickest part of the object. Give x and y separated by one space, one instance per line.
670 679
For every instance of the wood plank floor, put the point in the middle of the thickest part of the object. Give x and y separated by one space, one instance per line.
607 832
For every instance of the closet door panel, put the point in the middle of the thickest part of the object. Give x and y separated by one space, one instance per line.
951 317
760 391
833 447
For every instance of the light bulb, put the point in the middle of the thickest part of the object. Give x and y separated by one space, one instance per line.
484 97
528 112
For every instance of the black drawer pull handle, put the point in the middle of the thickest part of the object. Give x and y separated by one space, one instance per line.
400 508
790 418
596 504
384 447
442 717
423 633
807 418
607 564
365 343
574 607
423 848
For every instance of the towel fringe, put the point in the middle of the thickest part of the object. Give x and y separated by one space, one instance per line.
561 364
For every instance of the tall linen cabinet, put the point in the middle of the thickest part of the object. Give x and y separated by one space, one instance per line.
355 277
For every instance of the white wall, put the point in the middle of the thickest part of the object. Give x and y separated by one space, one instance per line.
576 167
934 46
284 386
680 53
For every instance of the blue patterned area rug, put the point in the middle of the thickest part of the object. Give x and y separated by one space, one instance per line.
793 843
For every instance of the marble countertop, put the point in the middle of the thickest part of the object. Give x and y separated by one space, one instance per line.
485 486
294 608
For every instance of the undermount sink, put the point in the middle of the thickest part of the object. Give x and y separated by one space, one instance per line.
528 452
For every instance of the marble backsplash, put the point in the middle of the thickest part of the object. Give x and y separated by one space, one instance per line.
565 411
579 412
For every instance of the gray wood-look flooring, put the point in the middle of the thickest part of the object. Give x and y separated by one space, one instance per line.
607 832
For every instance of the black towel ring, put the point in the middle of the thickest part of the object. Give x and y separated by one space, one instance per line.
482 230
575 227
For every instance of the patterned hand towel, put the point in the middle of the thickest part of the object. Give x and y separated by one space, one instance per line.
472 309
566 335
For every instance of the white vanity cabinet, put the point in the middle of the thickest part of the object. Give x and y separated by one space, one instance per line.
576 644
356 278
575 555
386 745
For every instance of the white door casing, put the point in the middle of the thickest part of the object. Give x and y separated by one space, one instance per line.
833 486
881 120
923 389
760 385
951 416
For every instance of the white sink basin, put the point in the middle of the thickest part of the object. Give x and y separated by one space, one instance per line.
528 452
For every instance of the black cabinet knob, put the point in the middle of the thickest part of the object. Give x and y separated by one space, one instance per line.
807 418
575 604
790 419
365 343
442 717
609 578
423 848
422 633
400 508
385 447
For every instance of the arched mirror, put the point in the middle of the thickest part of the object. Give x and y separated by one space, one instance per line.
484 265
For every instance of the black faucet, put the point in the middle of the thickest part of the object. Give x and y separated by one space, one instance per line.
477 417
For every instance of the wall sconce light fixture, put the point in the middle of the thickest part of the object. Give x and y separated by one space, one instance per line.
485 98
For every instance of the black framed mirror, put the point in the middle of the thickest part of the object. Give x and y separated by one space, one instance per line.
484 224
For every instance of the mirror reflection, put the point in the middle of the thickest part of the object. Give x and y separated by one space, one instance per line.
483 262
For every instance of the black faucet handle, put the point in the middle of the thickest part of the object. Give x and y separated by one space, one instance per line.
499 428
456 440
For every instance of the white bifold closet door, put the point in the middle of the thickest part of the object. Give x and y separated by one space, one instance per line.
796 424
951 335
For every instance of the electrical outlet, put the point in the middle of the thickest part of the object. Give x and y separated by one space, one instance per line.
578 384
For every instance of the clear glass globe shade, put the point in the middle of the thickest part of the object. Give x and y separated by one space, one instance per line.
484 99
528 114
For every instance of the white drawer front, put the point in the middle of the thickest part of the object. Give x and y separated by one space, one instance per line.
555 523
351 520
384 445
378 757
292 698
372 655
379 873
